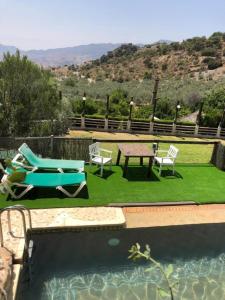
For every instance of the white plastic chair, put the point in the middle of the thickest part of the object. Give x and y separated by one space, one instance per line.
168 160
95 152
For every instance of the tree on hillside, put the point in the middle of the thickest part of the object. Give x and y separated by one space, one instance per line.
27 93
214 103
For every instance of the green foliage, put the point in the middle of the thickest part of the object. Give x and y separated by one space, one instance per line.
211 117
17 176
70 82
118 95
216 98
164 66
123 51
214 106
195 44
213 63
164 109
91 107
147 75
27 93
148 63
209 52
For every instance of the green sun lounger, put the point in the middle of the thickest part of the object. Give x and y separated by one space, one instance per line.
59 181
36 163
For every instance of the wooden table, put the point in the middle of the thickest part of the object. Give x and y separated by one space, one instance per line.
135 150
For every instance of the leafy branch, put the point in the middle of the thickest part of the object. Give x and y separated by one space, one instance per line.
136 253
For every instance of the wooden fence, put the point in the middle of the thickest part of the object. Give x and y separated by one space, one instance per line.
77 148
145 127
54 147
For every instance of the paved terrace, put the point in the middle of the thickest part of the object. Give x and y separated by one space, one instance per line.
174 215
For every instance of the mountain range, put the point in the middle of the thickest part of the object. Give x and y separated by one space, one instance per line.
63 56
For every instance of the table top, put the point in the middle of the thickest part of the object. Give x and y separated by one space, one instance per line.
135 150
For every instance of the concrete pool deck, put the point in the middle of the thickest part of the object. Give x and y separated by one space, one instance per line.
174 215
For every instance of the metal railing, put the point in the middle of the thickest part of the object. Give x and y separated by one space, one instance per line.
21 209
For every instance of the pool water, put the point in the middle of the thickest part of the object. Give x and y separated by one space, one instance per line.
91 265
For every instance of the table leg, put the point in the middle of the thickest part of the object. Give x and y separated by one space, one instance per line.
141 161
125 166
118 158
149 166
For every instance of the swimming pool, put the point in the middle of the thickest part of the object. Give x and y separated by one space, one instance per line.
93 264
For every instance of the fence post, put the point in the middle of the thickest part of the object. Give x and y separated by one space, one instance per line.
106 126
199 118
151 127
174 127
218 131
82 122
52 144
196 129
128 124
107 113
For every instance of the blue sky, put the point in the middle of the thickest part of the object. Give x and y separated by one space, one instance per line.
41 24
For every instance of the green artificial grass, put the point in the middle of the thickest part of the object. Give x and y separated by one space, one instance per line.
201 183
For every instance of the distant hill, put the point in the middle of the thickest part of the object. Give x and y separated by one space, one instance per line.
63 56
198 57
4 48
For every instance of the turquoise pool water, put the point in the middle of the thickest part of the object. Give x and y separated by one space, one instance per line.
94 265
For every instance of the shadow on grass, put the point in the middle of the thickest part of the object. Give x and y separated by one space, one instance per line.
106 173
48 193
139 173
167 173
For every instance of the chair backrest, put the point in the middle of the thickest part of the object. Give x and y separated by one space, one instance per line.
28 154
173 152
94 149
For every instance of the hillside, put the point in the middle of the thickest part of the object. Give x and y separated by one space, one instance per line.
199 58
63 56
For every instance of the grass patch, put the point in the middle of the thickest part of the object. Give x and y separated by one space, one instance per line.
201 183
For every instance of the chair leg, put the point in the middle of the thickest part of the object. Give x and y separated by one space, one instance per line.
101 171
173 170
153 164
160 169
110 166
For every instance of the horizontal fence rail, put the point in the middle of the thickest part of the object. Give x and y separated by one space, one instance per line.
145 127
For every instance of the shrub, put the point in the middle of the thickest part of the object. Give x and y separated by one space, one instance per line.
209 52
69 82
164 67
147 75
148 63
213 63
211 118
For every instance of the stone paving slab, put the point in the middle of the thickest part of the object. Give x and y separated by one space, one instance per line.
174 215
